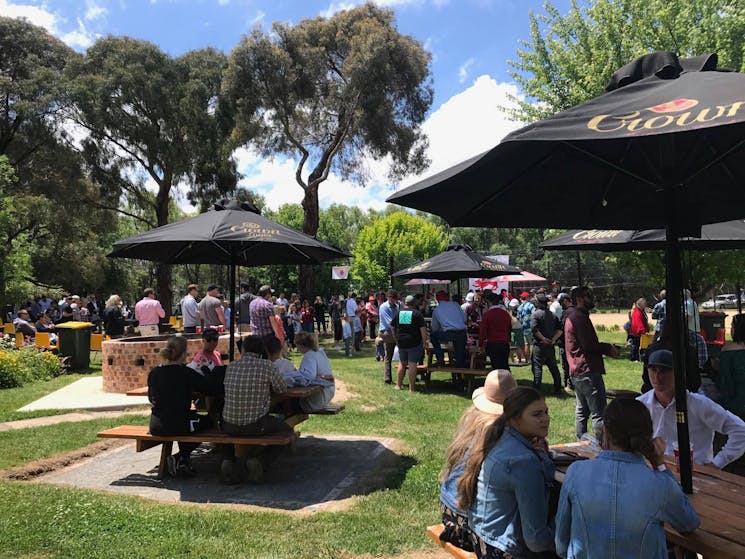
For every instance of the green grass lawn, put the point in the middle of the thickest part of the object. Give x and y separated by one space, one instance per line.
45 521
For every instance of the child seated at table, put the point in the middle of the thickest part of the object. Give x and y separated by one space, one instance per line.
292 376
615 505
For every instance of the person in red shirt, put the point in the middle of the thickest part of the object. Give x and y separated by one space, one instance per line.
495 332
307 316
639 326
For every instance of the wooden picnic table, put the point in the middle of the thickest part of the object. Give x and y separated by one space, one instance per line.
719 500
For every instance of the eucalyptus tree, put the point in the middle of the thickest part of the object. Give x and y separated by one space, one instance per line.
155 129
330 93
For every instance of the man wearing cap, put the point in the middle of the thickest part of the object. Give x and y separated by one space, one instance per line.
705 417
449 324
190 309
149 311
410 333
524 312
546 331
495 332
387 312
242 304
210 308
261 310
585 356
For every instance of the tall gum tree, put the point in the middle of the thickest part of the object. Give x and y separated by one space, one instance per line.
154 119
329 93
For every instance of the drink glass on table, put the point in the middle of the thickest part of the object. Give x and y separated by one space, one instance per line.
676 452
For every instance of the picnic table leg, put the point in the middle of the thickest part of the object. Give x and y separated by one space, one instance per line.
165 451
469 391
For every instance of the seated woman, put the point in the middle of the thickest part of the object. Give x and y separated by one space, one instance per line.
316 368
731 378
615 505
507 480
474 425
169 389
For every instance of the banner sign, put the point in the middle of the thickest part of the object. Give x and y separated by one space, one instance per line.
340 272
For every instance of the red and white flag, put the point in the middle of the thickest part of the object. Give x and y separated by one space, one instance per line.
339 272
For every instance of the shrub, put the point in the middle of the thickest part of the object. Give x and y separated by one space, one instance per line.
600 327
20 366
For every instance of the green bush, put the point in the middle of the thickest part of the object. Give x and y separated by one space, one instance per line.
600 327
19 366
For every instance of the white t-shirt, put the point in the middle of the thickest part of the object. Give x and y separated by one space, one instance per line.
351 307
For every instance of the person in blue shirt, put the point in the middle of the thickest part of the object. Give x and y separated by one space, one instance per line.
449 324
475 425
507 480
387 311
615 505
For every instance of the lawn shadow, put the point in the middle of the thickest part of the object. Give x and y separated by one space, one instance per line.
322 472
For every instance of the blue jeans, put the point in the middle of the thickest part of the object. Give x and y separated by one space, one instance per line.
459 339
347 346
590 392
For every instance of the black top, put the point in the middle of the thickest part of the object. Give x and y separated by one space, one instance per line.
170 389
243 303
545 322
113 321
408 323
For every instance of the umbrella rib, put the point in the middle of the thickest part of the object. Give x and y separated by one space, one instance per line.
220 247
507 186
610 164
716 160
252 246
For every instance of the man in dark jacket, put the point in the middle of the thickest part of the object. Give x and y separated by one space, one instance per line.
242 303
546 331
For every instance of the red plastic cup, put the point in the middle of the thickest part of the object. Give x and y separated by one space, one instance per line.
676 452
221 329
199 329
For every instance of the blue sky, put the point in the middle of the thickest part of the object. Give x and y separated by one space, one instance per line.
470 42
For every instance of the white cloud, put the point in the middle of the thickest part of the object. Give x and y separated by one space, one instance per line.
51 21
80 37
467 124
258 19
335 7
463 70
223 2
94 10
37 16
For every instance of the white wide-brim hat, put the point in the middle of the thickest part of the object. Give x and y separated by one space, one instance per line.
490 397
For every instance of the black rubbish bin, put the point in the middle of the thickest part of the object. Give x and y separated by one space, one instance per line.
712 325
75 342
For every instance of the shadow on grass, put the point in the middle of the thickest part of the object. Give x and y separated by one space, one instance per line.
321 472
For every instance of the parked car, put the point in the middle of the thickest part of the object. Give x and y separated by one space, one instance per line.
728 301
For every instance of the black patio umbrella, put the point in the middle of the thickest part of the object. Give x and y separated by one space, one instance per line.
663 148
727 235
231 233
458 261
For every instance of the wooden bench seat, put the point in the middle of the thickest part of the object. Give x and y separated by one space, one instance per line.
434 533
145 440
331 409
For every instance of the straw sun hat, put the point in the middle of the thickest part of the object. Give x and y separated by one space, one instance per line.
490 397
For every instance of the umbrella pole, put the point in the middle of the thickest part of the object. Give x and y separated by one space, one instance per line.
678 329
231 325
739 300
579 269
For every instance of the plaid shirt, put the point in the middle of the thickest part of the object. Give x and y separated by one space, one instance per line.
249 383
260 310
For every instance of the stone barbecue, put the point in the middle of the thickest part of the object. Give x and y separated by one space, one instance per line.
126 362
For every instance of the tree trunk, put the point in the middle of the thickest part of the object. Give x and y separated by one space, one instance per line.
306 276
163 271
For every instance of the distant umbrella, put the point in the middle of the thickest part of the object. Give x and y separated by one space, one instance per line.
458 261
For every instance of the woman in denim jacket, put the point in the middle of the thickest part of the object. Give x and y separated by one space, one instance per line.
475 424
507 481
615 505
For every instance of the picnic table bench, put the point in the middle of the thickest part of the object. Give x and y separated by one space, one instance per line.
145 440
434 533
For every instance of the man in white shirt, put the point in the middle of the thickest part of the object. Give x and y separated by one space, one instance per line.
350 306
705 417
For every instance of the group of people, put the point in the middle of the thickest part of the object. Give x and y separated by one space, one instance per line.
43 313
498 494
243 390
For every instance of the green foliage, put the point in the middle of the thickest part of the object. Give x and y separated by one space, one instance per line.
21 366
570 57
391 243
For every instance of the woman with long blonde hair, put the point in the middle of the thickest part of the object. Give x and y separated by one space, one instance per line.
474 425
507 479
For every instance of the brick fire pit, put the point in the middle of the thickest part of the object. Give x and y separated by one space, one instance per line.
126 362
